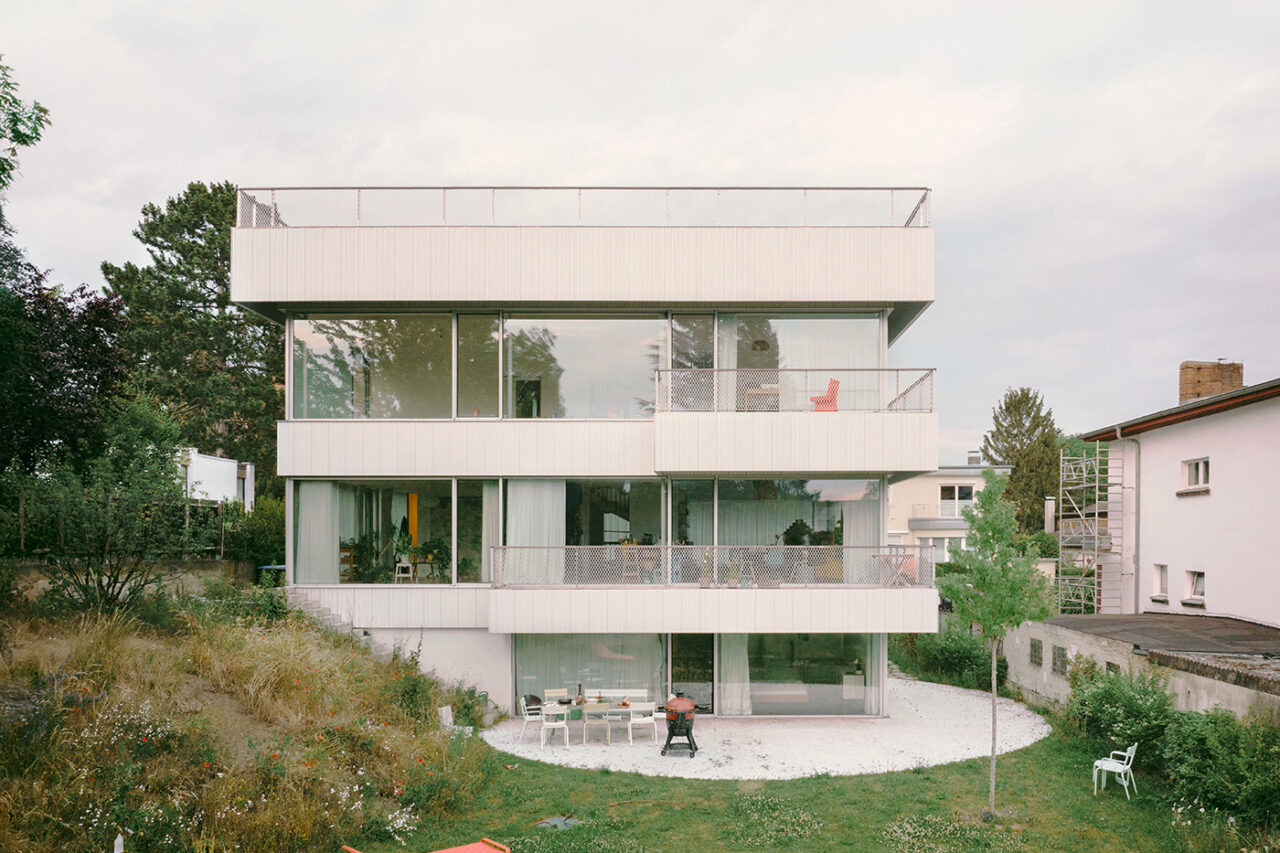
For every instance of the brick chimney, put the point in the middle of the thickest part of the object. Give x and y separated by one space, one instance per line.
1198 379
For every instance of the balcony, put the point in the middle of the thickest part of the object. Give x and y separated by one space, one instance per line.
531 248
706 589
767 421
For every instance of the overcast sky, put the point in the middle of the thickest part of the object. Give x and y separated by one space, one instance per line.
1106 176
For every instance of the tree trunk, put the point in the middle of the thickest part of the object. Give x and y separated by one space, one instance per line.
991 790
22 521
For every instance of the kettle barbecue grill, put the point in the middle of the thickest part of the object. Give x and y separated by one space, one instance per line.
680 715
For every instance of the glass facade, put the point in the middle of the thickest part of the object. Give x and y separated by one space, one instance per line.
399 531
479 370
582 367
591 662
373 367
789 674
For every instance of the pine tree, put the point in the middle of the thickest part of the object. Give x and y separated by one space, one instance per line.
1024 436
218 371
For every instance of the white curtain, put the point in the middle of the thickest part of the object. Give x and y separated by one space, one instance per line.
735 676
490 529
823 346
596 661
316 557
862 528
535 516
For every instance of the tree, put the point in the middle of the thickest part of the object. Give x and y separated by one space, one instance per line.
1024 436
218 371
121 515
996 588
60 368
21 126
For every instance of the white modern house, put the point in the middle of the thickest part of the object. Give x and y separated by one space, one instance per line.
928 509
600 438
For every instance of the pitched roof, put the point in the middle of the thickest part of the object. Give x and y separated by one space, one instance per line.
1187 411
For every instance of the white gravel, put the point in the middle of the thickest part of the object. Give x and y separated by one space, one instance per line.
927 724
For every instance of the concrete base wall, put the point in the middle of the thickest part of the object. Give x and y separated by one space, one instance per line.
1041 684
471 655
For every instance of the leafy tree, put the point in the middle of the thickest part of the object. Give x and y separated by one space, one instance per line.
121 515
21 126
258 535
996 588
60 367
216 369
1024 435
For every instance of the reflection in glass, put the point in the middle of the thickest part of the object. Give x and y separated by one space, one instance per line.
785 674
582 367
479 529
692 512
815 346
800 512
606 512
373 532
478 367
592 661
373 367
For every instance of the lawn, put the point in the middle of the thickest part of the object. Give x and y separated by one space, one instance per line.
1044 794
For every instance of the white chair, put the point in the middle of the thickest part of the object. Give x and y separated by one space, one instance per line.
1119 763
554 716
556 694
404 570
530 715
642 714
596 714
446 721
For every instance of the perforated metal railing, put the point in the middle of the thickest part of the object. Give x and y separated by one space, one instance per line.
713 566
279 207
774 390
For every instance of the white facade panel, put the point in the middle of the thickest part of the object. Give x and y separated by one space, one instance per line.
780 611
404 605
464 265
465 448
783 442
469 655
1213 531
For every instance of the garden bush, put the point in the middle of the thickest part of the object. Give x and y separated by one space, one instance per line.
955 655
1216 761
1123 708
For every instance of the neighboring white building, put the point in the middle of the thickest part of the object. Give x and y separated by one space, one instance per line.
928 509
217 479
1199 484
608 438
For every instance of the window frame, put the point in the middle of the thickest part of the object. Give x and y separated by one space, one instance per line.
1195 476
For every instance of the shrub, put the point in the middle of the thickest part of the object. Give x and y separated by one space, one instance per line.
1216 761
957 656
1123 708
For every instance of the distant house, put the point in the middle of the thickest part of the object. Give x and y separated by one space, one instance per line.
928 509
215 479
1180 572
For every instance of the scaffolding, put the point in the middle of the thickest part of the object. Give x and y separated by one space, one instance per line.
1089 526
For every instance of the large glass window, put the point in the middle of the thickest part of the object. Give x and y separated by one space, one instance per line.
373 367
373 532
582 367
479 529
590 662
785 360
692 512
785 674
478 367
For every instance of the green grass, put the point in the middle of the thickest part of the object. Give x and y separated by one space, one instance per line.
1044 798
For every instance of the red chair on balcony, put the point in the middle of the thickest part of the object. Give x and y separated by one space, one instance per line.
827 401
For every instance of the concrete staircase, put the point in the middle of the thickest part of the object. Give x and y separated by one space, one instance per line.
298 600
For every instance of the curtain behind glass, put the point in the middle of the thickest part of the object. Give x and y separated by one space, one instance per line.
862 518
735 676
316 544
595 661
535 516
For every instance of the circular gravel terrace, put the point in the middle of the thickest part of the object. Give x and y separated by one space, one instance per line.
928 724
